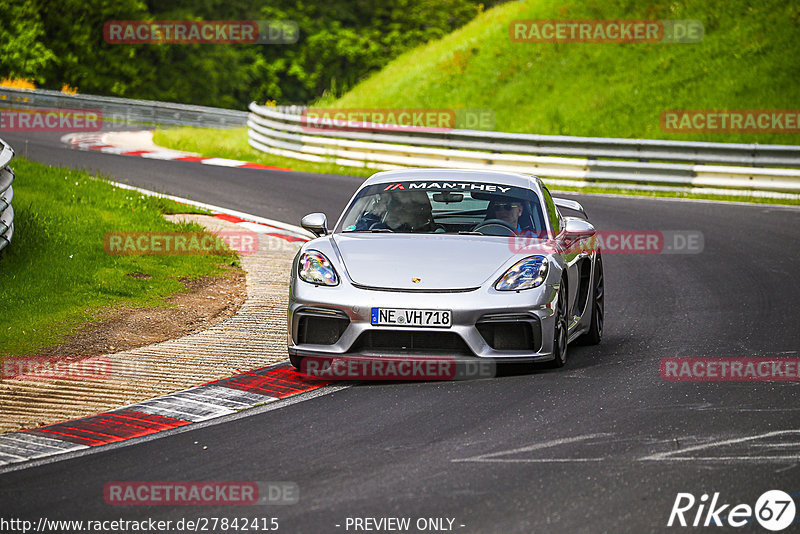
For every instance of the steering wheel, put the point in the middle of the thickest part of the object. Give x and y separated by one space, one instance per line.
495 222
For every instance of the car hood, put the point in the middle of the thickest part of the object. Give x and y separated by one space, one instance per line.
439 262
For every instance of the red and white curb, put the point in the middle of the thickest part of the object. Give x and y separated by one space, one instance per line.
140 144
254 223
202 403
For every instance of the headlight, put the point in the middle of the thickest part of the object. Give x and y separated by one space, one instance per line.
315 268
525 274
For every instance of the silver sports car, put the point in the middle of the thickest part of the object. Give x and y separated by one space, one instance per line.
443 262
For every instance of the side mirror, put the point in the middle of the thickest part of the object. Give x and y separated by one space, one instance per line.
575 227
577 237
316 223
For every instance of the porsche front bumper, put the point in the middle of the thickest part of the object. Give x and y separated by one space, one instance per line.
503 326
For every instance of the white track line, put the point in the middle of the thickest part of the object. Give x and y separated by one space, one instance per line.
670 455
492 457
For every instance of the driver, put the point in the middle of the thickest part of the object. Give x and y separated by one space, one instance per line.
507 210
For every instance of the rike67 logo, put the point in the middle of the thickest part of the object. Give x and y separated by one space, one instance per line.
774 510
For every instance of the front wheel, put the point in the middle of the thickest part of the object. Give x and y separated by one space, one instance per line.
560 331
595 333
297 361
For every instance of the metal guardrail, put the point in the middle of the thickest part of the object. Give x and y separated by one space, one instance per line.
119 111
283 131
574 161
6 195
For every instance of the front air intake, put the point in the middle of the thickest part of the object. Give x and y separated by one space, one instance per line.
320 327
520 333
411 343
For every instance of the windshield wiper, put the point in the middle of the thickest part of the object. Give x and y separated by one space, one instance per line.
381 230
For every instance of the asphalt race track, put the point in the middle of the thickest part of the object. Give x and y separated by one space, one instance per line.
603 445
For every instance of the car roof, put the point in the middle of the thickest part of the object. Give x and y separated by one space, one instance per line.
468 175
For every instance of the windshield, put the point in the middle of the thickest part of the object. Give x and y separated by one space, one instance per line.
444 208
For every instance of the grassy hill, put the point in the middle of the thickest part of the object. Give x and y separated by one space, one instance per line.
749 58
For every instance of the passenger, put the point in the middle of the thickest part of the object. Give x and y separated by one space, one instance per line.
409 211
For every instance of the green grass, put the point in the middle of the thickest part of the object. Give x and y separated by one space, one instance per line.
55 275
748 59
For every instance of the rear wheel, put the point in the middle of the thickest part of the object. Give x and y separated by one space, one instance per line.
560 330
595 333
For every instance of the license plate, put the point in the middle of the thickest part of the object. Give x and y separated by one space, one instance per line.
403 317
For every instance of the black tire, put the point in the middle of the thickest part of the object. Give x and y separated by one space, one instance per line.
560 331
297 361
595 333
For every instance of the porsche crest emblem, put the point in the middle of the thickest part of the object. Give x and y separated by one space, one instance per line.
416 280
